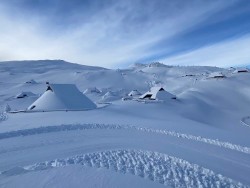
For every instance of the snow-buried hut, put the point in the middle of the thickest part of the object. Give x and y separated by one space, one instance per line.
134 93
216 75
240 70
62 97
157 93
24 94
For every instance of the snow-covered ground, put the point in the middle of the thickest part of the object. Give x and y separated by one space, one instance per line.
201 139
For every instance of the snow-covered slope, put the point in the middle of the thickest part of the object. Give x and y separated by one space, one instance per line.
199 139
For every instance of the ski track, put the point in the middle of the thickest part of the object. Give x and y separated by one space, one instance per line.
69 127
155 166
3 116
244 121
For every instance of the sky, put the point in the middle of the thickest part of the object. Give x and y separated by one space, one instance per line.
118 33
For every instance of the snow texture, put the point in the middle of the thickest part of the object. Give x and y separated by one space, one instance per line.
155 166
48 129
3 116
186 142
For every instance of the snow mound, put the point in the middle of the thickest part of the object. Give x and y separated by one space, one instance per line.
31 82
62 97
110 96
92 90
216 75
240 70
157 93
134 92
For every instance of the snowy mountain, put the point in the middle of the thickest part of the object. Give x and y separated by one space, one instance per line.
199 139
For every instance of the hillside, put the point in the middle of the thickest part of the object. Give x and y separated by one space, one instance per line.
197 139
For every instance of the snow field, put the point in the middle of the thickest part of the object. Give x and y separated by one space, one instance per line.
198 140
155 166
58 128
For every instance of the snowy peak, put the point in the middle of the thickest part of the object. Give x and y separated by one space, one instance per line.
153 64
158 64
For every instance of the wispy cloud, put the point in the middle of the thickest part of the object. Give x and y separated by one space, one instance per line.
97 34
227 53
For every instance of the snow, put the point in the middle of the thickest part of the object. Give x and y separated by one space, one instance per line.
62 97
216 75
165 169
240 70
134 93
3 116
92 90
24 94
157 93
77 176
110 96
31 82
246 121
201 139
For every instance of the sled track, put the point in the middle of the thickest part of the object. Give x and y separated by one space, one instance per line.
70 127
3 116
244 121
155 166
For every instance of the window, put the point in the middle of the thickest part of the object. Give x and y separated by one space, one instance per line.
32 107
49 89
148 96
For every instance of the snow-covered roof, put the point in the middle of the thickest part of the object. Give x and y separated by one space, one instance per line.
62 97
31 82
157 93
134 93
24 94
216 75
238 70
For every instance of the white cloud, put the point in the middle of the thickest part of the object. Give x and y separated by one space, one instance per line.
107 39
227 53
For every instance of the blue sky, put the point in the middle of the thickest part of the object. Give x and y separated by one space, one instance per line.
117 33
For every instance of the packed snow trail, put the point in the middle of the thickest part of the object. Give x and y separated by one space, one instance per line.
246 121
3 116
57 128
155 166
35 148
